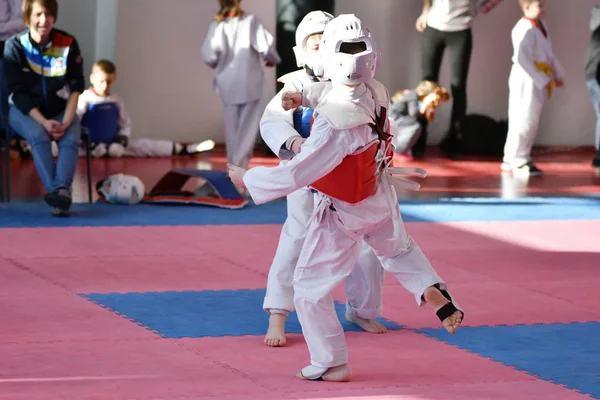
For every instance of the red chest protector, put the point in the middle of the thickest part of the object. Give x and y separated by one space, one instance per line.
355 178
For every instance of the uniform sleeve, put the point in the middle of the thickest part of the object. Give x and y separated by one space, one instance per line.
262 41
314 92
124 120
82 104
14 23
75 79
212 47
16 77
277 125
523 43
321 153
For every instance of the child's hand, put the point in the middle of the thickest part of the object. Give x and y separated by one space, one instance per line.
559 82
296 145
421 23
236 174
291 100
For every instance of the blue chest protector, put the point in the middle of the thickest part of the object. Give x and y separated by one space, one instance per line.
302 121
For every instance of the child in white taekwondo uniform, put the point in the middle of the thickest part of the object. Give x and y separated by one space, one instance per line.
102 78
284 132
235 46
535 72
345 162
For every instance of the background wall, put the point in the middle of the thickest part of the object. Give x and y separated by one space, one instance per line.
168 91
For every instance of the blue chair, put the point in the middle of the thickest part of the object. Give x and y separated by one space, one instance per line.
102 122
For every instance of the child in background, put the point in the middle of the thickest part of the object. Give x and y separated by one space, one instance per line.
535 72
235 46
412 110
102 78
592 77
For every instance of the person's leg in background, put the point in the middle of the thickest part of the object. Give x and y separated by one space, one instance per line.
247 132
594 91
3 94
460 46
68 148
418 150
432 54
38 138
231 121
142 147
525 102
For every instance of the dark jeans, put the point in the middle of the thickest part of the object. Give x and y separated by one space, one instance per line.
460 45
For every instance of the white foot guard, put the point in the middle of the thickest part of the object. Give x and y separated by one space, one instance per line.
341 373
369 325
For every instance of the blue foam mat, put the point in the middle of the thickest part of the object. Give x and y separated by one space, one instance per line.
566 354
196 314
442 210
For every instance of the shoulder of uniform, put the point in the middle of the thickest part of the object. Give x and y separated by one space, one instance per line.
295 78
341 114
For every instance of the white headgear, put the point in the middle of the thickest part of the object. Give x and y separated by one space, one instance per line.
340 66
122 189
313 22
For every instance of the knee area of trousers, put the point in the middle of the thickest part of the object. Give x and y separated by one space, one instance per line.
458 88
71 138
38 136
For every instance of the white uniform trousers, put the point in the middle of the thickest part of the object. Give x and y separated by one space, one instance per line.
241 124
525 102
363 284
328 256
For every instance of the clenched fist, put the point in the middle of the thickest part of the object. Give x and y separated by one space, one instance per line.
236 174
291 100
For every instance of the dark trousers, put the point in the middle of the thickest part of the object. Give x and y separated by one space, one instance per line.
460 45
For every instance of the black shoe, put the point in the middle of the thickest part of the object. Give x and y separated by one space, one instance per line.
58 212
59 198
529 169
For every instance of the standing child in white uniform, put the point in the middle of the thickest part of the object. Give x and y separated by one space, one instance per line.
102 78
535 72
284 132
235 46
347 144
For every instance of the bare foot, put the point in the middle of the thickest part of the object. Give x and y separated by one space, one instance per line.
369 325
275 336
436 299
341 373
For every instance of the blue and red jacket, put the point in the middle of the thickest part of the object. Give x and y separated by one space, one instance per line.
44 77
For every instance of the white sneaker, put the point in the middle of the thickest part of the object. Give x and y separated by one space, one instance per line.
528 169
116 150
99 151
